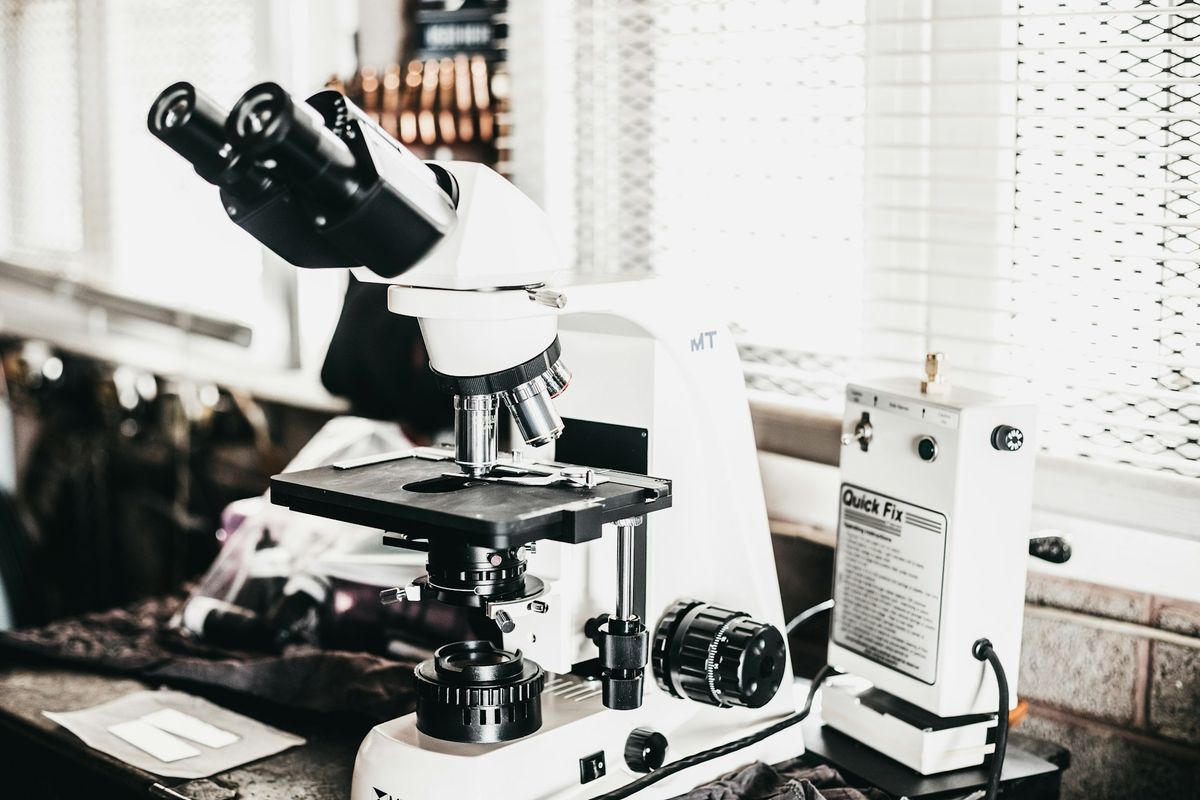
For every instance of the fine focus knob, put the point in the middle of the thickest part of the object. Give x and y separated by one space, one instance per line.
476 692
645 750
717 656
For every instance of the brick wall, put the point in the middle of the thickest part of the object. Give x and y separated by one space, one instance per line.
1113 675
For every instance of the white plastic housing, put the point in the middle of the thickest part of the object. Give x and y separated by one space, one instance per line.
913 592
641 358
501 239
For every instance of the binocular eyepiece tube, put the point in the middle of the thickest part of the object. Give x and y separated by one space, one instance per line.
316 182
193 125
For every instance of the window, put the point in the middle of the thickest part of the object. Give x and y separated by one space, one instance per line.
725 141
1008 182
91 196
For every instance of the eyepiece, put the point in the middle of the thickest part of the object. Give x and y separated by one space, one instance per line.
192 125
261 118
173 110
266 122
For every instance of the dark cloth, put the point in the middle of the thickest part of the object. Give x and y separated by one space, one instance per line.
136 640
377 361
791 780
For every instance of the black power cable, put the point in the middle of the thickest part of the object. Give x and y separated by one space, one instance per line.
723 749
983 650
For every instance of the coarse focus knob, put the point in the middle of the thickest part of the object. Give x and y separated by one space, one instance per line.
719 657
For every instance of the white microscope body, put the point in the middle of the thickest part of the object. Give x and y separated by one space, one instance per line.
644 358
680 616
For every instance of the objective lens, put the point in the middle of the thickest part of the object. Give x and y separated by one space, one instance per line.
533 409
475 433
557 378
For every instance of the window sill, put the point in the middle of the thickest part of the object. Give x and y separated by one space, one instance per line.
82 329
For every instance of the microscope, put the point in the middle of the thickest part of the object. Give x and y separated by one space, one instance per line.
614 532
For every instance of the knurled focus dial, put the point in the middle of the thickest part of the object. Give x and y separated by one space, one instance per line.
716 656
476 692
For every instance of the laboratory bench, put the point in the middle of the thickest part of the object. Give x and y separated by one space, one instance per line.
48 762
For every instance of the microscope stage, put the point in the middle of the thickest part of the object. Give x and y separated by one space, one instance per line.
421 495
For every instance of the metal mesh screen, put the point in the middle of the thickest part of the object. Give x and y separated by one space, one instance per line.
41 211
1011 181
1106 189
722 142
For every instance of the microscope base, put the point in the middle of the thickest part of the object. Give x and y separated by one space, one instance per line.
917 739
398 762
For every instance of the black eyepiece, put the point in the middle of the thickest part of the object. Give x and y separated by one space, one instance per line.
192 125
266 122
262 118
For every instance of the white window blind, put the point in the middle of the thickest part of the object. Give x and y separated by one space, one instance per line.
1007 181
88 192
724 141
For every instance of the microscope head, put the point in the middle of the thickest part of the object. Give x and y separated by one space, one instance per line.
321 185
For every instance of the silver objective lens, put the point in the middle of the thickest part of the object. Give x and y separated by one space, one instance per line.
533 409
557 378
475 432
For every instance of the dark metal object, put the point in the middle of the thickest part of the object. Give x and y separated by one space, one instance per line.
717 656
476 692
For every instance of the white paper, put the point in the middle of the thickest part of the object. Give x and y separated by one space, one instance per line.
187 726
254 739
149 739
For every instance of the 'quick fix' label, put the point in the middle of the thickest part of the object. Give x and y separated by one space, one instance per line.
888 581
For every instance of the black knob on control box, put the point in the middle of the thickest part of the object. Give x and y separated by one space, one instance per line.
1007 438
717 656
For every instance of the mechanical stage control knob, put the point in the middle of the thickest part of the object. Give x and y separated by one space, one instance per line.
717 656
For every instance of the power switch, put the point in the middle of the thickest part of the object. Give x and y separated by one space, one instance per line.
592 767
1008 439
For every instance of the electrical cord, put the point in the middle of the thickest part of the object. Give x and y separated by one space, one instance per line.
808 613
723 749
983 651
